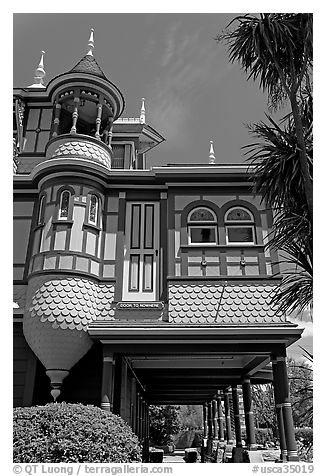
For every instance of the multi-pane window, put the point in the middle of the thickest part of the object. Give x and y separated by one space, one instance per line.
239 227
93 210
38 127
64 205
202 227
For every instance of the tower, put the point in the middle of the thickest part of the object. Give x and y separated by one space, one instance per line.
68 126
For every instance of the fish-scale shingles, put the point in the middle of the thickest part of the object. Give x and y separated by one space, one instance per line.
91 151
229 304
70 303
105 294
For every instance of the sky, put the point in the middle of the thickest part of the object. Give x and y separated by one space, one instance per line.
193 93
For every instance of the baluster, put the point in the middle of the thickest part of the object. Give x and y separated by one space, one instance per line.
56 120
98 121
73 129
110 133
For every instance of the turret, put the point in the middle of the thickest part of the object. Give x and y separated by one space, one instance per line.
64 266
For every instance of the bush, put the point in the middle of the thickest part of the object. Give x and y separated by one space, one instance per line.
263 436
304 438
72 433
198 439
164 422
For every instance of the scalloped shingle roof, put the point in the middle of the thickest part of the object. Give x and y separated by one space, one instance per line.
229 304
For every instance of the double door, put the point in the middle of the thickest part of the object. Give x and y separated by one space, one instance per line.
141 252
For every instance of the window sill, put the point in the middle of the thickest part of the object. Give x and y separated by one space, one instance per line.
92 227
206 245
62 222
37 227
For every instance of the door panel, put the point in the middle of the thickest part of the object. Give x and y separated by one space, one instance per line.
140 272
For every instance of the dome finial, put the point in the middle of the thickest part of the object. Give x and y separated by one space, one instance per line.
142 112
39 74
211 154
91 43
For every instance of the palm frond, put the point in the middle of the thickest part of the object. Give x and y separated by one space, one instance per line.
256 42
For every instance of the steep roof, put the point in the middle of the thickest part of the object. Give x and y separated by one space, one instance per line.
88 65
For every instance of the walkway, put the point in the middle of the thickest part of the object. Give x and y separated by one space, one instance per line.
176 457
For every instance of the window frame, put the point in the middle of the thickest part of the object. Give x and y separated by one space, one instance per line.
89 205
250 223
202 224
59 217
41 210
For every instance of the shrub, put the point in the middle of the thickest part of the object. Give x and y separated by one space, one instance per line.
164 422
304 438
72 433
198 439
263 436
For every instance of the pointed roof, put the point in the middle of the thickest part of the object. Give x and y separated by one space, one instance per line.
88 63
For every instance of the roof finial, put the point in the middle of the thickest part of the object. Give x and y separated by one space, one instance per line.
142 112
91 43
39 74
211 154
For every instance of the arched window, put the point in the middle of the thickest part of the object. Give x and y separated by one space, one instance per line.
239 226
93 210
202 227
64 205
41 209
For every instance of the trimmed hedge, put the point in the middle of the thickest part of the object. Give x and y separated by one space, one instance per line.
72 433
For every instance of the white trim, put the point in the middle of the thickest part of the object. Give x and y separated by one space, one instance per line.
60 205
93 222
199 226
239 243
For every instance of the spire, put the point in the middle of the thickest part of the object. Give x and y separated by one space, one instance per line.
39 74
91 43
211 154
142 112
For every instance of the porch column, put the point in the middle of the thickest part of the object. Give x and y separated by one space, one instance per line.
124 391
249 415
278 410
210 420
142 418
205 420
117 384
237 422
214 417
133 413
227 416
282 382
220 418
107 380
138 415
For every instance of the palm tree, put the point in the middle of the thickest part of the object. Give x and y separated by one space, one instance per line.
276 48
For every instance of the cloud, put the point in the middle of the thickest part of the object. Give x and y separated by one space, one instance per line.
169 45
189 63
308 326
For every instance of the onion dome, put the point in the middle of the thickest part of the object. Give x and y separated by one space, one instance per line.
58 312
